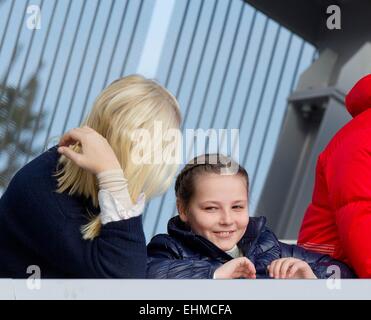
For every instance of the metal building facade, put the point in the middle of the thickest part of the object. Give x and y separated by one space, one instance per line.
229 65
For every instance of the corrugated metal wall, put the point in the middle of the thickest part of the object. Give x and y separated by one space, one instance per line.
80 47
229 66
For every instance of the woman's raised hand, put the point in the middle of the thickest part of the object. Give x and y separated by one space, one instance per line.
96 154
236 268
290 268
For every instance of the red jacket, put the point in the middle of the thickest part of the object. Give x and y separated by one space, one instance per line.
338 221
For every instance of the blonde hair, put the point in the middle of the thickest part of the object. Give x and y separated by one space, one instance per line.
128 104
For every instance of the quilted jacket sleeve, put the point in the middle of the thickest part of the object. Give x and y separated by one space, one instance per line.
166 261
266 250
323 266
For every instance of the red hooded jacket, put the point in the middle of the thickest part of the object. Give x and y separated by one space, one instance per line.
338 221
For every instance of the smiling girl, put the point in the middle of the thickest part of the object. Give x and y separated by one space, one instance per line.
214 237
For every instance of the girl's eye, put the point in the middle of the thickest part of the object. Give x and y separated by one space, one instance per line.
238 207
210 208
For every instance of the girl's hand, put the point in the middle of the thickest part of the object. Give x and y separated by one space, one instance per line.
236 268
96 154
290 268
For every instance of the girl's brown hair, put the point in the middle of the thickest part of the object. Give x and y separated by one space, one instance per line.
207 163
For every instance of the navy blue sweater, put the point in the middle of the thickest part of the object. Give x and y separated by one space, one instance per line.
39 226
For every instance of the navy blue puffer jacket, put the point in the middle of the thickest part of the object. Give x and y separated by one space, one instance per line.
181 254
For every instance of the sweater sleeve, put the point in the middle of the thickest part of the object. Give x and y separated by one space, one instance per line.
165 261
49 224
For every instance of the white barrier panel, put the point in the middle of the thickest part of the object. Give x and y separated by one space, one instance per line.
263 289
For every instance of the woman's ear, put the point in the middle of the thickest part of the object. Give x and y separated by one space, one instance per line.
181 211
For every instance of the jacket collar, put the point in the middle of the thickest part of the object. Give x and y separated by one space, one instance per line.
182 232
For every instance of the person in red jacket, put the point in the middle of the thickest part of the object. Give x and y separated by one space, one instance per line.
338 221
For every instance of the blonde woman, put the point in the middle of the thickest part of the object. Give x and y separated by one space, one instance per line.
75 211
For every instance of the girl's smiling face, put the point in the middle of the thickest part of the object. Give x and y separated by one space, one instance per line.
218 211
